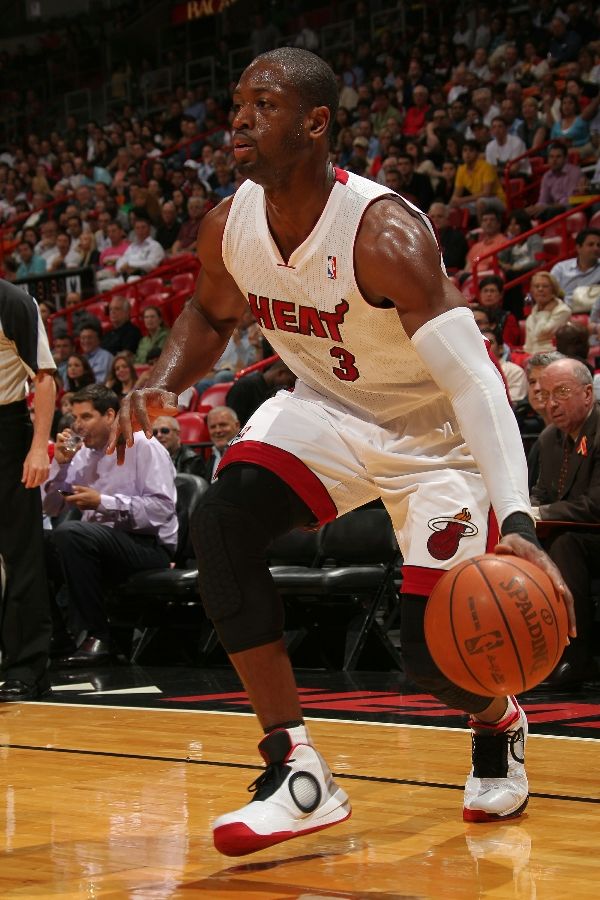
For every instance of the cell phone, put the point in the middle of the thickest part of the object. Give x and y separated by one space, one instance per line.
66 493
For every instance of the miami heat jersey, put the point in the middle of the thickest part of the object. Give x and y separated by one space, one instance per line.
313 314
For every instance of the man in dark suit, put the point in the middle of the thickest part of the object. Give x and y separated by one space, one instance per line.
568 491
124 335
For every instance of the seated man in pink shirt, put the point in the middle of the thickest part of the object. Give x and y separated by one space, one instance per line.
109 256
558 184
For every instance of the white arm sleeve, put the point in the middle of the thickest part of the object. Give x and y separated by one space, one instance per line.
455 353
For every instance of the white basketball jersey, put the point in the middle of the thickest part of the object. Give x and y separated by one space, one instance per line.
311 311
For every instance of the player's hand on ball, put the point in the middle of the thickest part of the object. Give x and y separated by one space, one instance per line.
518 546
138 410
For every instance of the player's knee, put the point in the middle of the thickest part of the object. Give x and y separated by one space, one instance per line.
223 535
420 667
236 587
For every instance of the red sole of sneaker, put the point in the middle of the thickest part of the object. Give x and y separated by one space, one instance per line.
239 840
479 815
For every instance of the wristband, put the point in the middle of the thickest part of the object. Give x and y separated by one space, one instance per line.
522 524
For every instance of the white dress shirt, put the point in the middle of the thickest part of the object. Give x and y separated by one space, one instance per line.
138 496
145 256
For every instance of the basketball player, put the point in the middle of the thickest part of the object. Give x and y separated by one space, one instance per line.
396 398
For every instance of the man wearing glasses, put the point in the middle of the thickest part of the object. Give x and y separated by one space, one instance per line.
166 432
568 491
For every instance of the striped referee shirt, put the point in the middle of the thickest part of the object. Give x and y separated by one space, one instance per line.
24 347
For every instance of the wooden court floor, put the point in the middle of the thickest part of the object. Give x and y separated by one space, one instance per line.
101 802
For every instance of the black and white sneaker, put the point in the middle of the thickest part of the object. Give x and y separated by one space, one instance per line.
295 795
497 784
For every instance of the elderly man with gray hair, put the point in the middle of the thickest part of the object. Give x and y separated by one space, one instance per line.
124 335
568 492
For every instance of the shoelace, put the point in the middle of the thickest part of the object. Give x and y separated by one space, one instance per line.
490 753
269 780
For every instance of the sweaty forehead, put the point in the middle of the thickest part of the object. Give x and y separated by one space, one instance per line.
268 76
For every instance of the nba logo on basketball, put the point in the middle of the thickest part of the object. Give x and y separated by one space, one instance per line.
332 267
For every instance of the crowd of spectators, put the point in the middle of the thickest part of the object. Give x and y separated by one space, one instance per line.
437 118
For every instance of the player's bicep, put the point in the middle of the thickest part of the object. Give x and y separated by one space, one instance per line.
218 297
398 259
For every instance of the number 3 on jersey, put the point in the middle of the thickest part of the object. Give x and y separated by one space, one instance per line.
346 371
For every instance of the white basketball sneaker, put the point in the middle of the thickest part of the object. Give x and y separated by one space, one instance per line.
295 795
497 784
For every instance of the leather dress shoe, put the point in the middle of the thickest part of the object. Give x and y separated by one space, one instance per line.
60 647
15 691
92 652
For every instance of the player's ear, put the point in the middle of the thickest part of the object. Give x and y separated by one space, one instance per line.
319 119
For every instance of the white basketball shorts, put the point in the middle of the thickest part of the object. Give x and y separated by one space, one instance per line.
420 468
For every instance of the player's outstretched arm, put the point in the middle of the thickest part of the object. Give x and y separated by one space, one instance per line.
195 343
397 259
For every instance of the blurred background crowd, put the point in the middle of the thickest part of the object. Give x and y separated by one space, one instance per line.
115 141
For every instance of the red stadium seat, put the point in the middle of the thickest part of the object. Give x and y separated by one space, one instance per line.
98 309
193 404
215 395
519 357
154 300
186 281
580 319
458 218
595 220
576 222
174 305
151 286
193 428
538 165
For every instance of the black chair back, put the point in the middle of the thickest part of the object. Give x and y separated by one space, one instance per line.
299 547
360 537
190 489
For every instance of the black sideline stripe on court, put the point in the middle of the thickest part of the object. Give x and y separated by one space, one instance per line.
378 779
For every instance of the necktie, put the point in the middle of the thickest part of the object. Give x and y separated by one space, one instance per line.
564 466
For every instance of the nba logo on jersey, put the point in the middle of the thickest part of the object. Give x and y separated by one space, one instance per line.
332 267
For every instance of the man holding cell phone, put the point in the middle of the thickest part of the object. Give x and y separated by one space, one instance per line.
128 521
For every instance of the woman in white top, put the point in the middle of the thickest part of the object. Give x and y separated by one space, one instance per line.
549 313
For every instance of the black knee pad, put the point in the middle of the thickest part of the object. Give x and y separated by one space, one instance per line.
231 529
419 665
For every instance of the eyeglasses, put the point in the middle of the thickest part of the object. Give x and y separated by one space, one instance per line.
559 393
163 430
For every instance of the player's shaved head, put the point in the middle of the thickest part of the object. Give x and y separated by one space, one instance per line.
309 76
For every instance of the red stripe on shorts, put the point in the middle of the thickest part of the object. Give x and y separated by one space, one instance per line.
419 580
422 580
292 470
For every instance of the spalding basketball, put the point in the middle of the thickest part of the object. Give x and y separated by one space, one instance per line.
495 625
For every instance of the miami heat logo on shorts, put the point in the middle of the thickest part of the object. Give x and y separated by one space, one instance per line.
447 533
